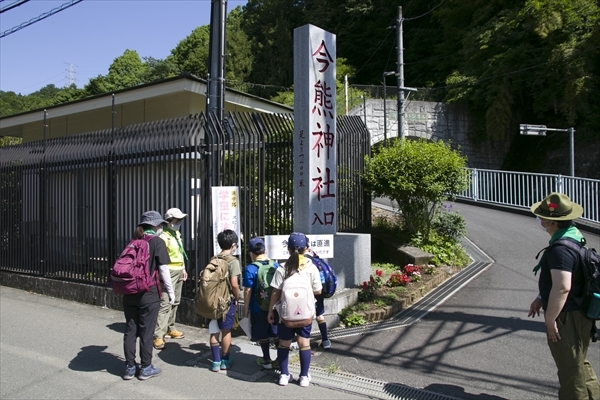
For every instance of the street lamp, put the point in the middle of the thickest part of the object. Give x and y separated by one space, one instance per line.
385 107
540 130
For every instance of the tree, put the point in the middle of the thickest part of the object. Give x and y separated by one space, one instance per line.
418 176
239 59
191 54
125 71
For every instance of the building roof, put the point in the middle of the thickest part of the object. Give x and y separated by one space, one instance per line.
10 125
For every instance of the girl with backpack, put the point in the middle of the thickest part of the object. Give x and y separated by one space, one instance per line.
141 309
294 288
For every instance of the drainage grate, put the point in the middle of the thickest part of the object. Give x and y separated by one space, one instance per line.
368 387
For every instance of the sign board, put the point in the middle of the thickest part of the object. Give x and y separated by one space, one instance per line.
225 212
315 166
537 130
277 246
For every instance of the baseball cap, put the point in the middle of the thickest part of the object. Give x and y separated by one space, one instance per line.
255 243
297 240
174 213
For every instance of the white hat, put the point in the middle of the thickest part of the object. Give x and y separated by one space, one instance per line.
174 213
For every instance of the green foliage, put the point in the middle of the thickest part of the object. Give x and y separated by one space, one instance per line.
445 251
9 141
191 54
418 176
449 224
353 319
386 267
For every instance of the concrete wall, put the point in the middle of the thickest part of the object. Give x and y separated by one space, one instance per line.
434 121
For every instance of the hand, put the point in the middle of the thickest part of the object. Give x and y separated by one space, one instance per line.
246 313
271 317
552 331
534 308
171 300
184 276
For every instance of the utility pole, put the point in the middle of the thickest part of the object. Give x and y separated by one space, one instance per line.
400 81
215 98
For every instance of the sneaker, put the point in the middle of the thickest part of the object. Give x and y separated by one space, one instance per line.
305 381
285 379
273 363
326 344
216 366
225 364
159 344
149 372
175 334
129 373
267 364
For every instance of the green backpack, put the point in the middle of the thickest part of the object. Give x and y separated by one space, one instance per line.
264 276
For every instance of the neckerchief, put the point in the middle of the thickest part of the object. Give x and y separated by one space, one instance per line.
568 233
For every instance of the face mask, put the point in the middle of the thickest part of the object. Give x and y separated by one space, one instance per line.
175 226
158 232
539 223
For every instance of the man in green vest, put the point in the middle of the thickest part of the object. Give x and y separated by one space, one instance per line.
165 324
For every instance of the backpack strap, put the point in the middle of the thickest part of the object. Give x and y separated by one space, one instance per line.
155 273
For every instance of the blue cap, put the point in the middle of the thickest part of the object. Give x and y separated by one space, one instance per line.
256 242
297 240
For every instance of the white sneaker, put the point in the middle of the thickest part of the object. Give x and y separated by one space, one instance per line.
285 379
305 381
326 344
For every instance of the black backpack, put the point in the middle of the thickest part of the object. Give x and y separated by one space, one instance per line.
589 260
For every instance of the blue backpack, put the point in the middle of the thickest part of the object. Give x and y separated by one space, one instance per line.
328 278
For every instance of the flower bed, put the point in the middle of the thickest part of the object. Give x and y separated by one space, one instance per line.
391 289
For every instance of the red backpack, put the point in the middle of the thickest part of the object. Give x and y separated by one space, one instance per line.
130 274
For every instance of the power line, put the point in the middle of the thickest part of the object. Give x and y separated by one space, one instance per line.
422 15
13 5
40 17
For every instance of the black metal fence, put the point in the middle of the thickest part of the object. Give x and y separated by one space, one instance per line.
69 205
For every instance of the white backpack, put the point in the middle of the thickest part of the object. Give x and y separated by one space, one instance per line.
296 307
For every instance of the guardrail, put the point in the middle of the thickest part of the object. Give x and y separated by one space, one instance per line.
521 189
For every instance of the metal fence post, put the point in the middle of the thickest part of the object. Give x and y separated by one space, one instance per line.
559 184
475 186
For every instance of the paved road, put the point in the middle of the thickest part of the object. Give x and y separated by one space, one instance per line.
57 349
479 344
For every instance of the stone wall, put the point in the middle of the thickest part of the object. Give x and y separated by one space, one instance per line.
434 121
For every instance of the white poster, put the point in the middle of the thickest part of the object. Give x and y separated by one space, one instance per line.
225 213
277 246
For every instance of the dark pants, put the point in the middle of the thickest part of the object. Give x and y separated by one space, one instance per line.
140 322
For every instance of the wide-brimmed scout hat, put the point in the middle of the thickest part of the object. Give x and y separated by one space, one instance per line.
557 207
174 213
152 218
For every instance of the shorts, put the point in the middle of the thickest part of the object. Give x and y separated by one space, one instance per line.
229 320
261 328
286 333
319 305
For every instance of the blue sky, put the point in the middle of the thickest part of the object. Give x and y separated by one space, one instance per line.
90 35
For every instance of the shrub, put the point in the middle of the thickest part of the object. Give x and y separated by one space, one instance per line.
418 176
449 224
445 251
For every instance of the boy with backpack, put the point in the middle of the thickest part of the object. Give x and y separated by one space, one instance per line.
258 276
294 288
228 241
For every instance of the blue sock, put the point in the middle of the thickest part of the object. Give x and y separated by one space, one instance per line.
264 345
283 354
305 355
323 329
216 352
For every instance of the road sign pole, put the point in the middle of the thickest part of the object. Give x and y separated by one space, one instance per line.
572 149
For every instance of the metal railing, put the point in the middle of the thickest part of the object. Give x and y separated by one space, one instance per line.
69 205
521 189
